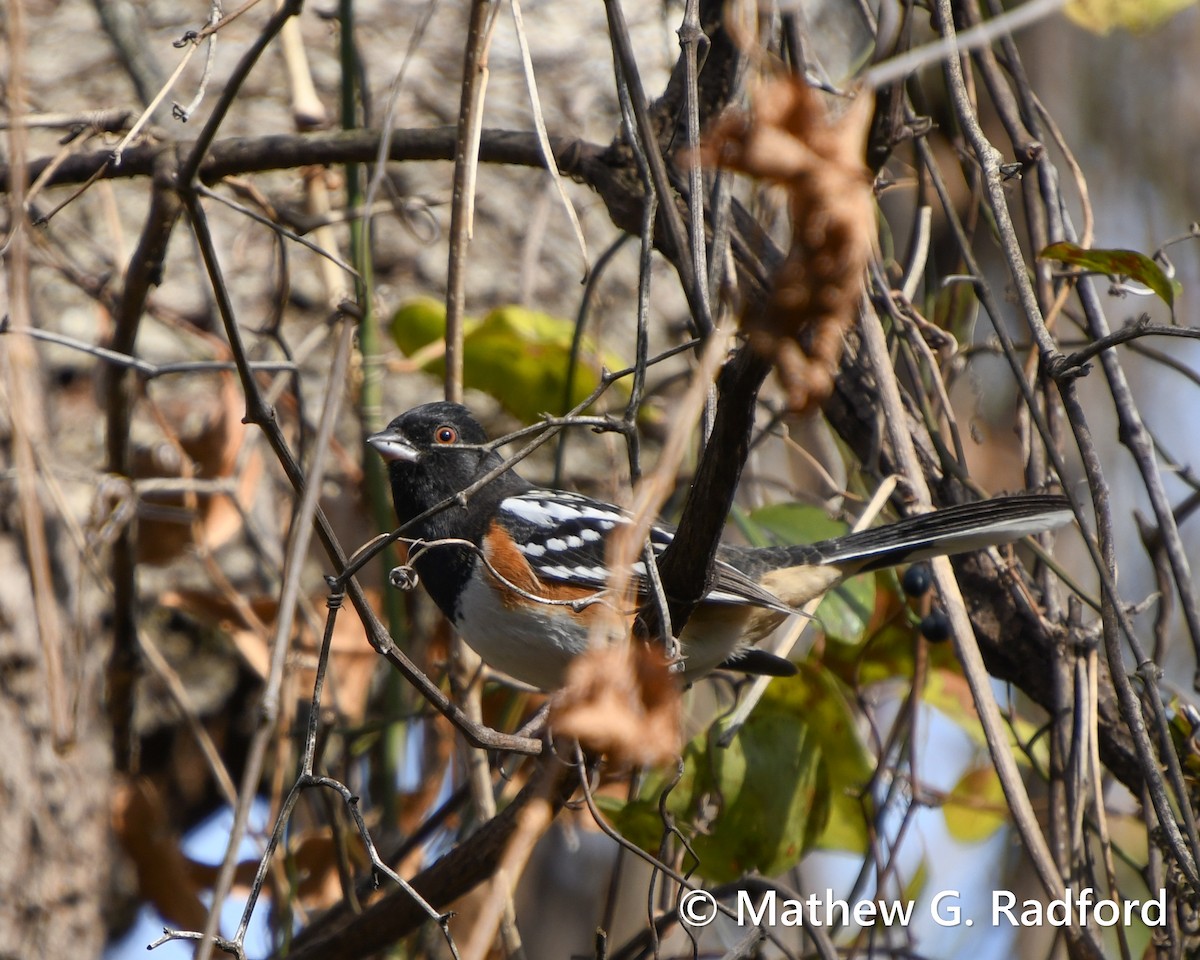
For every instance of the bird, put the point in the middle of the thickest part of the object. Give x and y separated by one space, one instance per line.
518 569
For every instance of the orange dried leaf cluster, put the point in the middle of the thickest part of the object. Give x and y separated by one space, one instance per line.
171 523
250 621
622 701
789 139
165 877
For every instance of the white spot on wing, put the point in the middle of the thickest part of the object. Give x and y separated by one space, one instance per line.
589 575
563 573
530 510
569 506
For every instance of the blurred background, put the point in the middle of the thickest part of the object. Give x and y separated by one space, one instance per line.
105 839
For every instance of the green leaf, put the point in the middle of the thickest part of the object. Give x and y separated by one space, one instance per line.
788 782
817 695
1117 264
419 323
975 808
916 883
846 611
1101 16
887 654
638 821
769 789
796 523
519 356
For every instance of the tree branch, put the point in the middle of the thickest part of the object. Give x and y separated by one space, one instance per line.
283 151
333 937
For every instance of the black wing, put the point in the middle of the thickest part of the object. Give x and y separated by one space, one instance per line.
564 537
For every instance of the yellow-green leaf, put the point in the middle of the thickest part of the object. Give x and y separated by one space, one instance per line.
1118 264
519 356
887 654
845 612
419 323
638 821
916 883
946 689
975 808
1101 16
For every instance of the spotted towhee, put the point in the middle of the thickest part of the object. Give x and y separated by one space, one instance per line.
514 565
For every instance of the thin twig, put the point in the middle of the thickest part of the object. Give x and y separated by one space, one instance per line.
642 339
389 115
116 154
694 44
1142 327
222 23
539 125
909 62
278 228
629 77
466 165
233 84
581 316
183 114
144 368
28 426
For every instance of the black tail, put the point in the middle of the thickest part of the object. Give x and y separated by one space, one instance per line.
959 529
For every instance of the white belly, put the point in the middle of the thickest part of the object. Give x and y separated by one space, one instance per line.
532 644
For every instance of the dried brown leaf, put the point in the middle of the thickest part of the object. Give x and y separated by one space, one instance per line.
352 660
789 139
621 701
165 879
208 450
315 861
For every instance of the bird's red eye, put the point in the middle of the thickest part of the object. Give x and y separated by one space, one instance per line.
444 434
